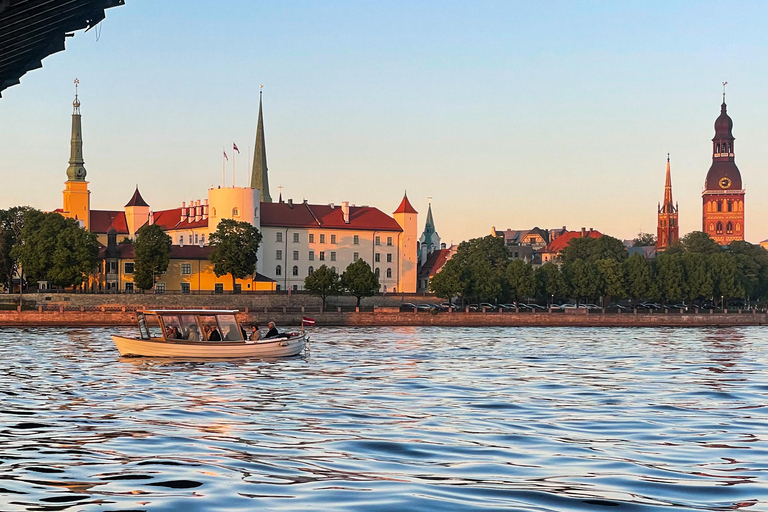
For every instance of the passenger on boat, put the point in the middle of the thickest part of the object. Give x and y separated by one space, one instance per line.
255 334
193 334
272 333
232 334
177 333
213 334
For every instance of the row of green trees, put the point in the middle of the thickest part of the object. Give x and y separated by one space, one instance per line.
358 279
600 268
49 247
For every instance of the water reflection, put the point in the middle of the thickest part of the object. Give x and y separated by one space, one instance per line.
391 419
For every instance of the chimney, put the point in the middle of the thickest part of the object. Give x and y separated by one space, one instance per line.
198 211
183 211
205 209
332 206
290 203
583 232
345 211
442 246
151 218
191 211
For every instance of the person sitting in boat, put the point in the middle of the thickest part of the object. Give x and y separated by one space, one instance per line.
177 333
272 332
193 335
232 334
168 332
213 333
255 334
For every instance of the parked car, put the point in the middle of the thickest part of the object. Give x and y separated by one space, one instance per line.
568 306
537 307
648 305
676 306
487 306
407 306
592 307
617 306
427 307
474 307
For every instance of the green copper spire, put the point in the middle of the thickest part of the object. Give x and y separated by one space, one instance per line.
429 227
259 177
76 169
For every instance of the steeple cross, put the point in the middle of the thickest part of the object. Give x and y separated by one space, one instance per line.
76 83
724 84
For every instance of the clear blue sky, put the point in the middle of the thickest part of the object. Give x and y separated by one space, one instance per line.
509 114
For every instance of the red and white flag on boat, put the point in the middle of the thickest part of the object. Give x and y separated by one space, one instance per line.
308 321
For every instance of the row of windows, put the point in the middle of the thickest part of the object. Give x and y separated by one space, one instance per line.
355 238
321 256
310 270
195 239
728 228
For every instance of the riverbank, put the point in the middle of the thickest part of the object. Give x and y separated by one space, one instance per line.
122 316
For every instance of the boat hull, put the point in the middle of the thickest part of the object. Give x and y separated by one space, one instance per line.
278 347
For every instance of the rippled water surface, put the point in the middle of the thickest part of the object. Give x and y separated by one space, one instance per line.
392 419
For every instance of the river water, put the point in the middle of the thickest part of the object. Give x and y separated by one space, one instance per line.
432 419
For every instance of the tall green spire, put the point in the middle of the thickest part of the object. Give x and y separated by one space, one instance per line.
429 227
259 177
76 169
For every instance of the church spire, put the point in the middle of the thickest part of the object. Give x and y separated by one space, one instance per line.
259 177
667 230
76 169
668 188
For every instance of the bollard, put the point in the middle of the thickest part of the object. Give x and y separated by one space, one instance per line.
357 309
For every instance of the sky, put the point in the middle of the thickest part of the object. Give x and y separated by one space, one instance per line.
507 114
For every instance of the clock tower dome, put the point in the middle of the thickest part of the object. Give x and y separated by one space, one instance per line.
77 197
723 196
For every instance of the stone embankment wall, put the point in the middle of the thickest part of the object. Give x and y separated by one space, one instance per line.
292 317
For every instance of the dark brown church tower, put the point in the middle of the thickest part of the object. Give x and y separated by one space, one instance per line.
723 196
667 231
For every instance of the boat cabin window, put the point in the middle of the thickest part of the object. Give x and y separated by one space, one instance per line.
229 328
143 330
152 326
172 327
190 328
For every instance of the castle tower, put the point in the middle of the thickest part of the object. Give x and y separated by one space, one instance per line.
136 212
406 217
667 230
723 196
259 177
77 197
429 240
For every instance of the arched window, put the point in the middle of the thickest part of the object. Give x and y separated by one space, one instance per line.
310 270
711 227
295 270
213 212
717 148
389 272
729 228
719 228
235 212
719 206
730 206
333 269
738 228
278 270
377 272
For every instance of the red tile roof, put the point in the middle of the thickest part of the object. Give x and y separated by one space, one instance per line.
559 243
171 219
102 220
435 262
305 215
405 206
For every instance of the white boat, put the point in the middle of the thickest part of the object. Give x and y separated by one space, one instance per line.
202 333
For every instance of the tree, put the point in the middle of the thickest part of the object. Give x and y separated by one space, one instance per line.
549 281
644 240
323 282
670 277
11 224
700 242
724 277
235 246
639 284
447 283
520 279
359 280
698 275
52 248
610 279
152 255
582 279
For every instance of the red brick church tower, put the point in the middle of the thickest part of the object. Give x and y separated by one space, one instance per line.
723 196
667 231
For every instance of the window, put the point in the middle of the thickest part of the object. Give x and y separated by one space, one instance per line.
111 267
389 240
128 267
197 239
378 240
278 254
389 272
311 255
322 255
295 270
186 269
333 256
333 269
277 288
729 228
355 256
185 288
389 258
311 238
295 255
202 239
356 240
238 288
719 206
310 270
295 287
295 238
278 237
159 287
218 288
278 270
213 212
730 206
128 287
719 228
181 239
322 239
333 239
235 212
377 257
377 272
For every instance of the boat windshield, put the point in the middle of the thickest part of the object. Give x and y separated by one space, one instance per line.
229 328
211 331
152 325
190 329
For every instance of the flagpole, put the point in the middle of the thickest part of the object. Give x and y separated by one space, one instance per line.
249 165
233 168
223 166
